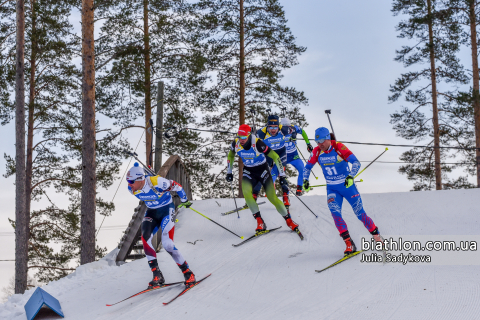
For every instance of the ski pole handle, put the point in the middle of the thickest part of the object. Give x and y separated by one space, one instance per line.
216 223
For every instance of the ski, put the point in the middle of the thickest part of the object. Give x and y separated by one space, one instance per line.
300 234
242 208
340 261
147 290
186 289
256 235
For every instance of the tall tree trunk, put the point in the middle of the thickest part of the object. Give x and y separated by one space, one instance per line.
242 90
476 92
88 136
31 111
436 127
21 221
148 100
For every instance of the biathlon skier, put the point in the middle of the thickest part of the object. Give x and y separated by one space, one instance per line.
333 157
274 136
155 192
293 157
253 153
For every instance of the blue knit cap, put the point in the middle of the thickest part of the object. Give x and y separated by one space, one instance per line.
322 133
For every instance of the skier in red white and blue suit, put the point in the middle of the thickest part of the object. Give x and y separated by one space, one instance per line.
333 157
154 191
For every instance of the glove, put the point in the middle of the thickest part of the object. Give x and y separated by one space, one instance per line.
306 185
185 204
283 181
309 148
348 181
229 177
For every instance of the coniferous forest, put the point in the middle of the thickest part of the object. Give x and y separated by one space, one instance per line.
77 76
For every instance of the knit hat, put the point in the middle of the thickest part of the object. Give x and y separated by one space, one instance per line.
322 133
273 120
244 130
135 173
286 122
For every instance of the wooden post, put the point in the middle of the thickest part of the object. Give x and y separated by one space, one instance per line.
159 137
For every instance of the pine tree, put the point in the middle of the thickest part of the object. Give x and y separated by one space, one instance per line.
250 46
54 135
436 43
142 43
467 18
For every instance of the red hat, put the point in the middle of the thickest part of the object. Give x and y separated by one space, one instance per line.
244 130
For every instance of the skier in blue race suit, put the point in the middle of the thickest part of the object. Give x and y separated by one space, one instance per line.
155 192
273 135
334 157
293 158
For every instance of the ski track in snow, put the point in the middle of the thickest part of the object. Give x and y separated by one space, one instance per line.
273 276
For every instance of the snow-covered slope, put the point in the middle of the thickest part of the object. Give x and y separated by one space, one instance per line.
273 277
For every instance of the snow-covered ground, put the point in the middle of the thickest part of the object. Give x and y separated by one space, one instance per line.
273 277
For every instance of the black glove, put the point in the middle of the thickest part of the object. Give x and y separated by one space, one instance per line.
309 148
283 181
348 181
229 177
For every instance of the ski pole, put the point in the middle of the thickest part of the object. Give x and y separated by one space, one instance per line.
386 149
303 203
233 194
135 155
324 185
216 223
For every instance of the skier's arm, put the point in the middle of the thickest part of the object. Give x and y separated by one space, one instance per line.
310 163
350 158
276 159
230 159
262 147
163 185
304 134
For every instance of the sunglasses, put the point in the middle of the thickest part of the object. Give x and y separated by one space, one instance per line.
242 137
272 128
132 181
320 141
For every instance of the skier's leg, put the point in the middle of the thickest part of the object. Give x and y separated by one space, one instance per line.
168 230
353 197
272 197
247 187
150 226
297 163
334 201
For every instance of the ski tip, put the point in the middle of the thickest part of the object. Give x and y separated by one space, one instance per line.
165 303
242 237
109 305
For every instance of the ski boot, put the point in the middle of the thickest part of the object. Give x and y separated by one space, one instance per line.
290 223
351 248
286 200
261 226
293 225
299 190
158 278
188 274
